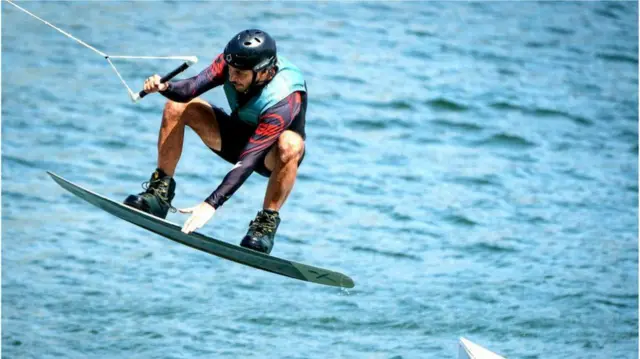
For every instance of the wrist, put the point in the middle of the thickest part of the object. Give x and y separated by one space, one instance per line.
213 202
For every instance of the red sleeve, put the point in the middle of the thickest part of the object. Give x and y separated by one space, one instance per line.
188 89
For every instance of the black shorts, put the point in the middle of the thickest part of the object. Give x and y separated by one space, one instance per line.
234 135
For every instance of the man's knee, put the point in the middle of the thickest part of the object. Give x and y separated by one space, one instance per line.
186 112
290 147
173 110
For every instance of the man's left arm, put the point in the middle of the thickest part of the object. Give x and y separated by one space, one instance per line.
272 123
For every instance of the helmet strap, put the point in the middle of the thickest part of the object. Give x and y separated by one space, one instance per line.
254 77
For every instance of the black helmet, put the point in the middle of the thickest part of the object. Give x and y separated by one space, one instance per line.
251 50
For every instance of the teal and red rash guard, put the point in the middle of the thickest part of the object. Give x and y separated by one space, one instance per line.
288 113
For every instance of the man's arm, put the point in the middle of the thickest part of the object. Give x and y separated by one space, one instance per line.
188 89
272 123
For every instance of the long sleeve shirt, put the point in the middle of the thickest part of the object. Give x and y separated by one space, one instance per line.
287 113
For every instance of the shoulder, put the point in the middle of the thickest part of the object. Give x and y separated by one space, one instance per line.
218 66
287 67
289 78
219 60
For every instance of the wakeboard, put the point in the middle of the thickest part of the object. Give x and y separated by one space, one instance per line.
206 244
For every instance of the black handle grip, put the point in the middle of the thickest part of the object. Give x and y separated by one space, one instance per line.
168 76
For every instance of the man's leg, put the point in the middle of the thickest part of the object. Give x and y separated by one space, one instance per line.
282 160
196 114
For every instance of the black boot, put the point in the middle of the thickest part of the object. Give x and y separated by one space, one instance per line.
156 200
262 231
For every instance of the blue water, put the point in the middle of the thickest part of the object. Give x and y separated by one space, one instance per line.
473 166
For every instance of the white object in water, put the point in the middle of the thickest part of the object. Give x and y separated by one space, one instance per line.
470 350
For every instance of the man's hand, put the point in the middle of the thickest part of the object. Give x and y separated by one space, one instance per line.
200 215
152 84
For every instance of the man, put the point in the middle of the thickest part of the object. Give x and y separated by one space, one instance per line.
264 133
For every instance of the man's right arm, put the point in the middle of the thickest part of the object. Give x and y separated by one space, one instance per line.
188 89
